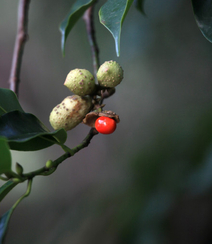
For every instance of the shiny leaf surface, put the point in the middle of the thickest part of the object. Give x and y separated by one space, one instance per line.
112 15
8 101
25 132
76 12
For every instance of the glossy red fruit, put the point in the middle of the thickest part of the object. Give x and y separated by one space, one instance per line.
105 125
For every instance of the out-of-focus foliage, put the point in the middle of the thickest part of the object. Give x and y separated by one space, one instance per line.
139 4
4 221
5 156
6 188
203 15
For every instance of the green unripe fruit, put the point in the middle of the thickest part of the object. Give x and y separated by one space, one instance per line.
110 74
80 81
70 112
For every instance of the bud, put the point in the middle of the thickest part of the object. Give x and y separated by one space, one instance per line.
49 164
19 169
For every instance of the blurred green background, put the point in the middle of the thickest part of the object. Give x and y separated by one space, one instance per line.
148 183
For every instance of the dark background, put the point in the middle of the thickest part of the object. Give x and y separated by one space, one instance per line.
149 182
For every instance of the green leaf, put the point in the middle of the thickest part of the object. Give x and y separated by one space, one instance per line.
6 188
76 12
5 156
139 4
112 15
25 132
4 220
203 15
8 101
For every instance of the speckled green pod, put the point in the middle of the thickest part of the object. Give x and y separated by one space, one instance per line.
70 112
80 81
110 74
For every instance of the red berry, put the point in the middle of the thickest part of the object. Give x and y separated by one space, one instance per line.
105 125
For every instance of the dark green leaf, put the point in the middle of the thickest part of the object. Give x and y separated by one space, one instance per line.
4 220
25 132
5 156
8 101
139 4
112 15
76 12
203 15
6 188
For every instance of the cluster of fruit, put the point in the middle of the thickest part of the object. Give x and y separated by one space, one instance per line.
73 109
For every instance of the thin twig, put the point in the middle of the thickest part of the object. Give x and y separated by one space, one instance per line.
88 18
55 163
21 39
86 141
